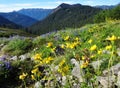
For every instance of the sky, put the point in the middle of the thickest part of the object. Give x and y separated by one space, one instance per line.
14 5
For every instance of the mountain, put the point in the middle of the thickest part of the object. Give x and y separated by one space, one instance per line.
38 14
6 23
104 7
19 19
63 16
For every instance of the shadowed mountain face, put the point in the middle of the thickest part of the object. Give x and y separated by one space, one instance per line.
38 14
63 16
19 19
6 23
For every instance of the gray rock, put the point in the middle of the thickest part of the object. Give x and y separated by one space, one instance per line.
14 58
75 85
63 80
96 64
1 45
77 71
37 85
118 51
106 51
106 82
24 57
113 70
118 80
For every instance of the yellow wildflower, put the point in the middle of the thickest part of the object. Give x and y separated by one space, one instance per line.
63 46
66 68
32 77
92 56
108 47
38 57
112 38
34 71
90 41
83 57
53 49
66 38
76 39
63 70
94 47
72 45
62 62
118 38
76 43
67 45
49 44
100 51
22 77
84 65
48 60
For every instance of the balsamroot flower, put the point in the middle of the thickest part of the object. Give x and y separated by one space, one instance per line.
108 47
90 41
49 44
22 77
66 38
94 47
112 38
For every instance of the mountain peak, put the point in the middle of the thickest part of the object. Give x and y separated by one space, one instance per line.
64 5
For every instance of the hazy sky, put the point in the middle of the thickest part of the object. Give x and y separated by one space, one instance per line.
10 5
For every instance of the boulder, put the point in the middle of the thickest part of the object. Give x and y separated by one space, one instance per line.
77 71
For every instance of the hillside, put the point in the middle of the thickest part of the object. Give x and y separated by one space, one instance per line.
7 32
6 23
19 19
63 59
38 14
65 16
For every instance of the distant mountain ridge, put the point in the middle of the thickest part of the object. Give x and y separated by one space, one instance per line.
6 23
38 14
63 16
104 7
19 19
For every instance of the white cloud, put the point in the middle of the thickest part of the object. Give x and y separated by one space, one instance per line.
18 6
89 2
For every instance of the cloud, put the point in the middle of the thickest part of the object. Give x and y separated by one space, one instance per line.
89 2
18 6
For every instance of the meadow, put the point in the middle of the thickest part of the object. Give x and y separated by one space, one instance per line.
71 58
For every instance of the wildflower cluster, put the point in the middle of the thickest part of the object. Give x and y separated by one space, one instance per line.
52 61
63 68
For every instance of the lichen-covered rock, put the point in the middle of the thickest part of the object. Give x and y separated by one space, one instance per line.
118 80
96 64
113 70
118 51
106 82
14 58
24 57
37 85
77 71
